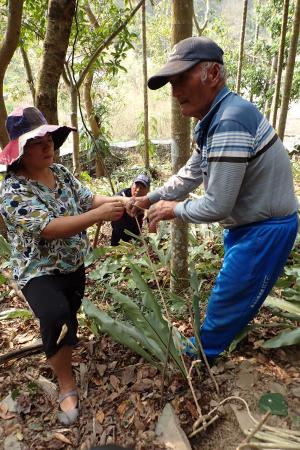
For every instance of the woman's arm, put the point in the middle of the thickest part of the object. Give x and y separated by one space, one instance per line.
65 227
99 200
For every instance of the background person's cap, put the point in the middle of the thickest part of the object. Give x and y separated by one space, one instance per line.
184 55
26 123
144 179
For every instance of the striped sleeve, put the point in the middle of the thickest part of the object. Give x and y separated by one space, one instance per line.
187 179
229 149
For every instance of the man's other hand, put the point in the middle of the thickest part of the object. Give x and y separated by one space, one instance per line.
162 210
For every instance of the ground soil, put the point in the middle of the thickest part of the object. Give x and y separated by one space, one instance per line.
121 396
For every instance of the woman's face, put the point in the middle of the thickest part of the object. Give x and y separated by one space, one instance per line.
39 152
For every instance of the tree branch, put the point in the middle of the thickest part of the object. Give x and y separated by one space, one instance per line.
106 42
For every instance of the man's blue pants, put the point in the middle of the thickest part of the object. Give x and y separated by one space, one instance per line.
254 258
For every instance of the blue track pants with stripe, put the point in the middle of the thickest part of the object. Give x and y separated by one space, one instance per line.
254 258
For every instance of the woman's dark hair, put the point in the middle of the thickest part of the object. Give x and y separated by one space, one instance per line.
14 166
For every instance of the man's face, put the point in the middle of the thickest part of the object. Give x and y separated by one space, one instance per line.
139 189
194 90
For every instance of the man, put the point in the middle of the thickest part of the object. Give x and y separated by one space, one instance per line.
140 187
248 188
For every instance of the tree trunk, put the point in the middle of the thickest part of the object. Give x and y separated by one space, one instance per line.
276 102
240 62
7 49
267 107
60 16
28 71
289 72
145 75
182 27
94 125
254 51
74 123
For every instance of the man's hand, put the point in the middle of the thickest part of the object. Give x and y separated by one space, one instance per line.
137 204
162 210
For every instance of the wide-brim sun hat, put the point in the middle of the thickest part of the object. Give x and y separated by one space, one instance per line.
26 123
185 55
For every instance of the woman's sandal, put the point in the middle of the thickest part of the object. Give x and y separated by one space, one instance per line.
70 416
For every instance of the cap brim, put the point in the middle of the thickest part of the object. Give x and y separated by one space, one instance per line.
15 149
142 182
170 69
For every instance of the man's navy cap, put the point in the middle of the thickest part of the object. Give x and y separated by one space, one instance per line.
186 54
144 179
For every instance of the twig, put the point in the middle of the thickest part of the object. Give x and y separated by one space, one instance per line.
169 320
165 367
216 417
255 429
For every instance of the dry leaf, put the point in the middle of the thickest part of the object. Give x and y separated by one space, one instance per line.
114 381
4 413
128 375
101 368
123 407
100 416
62 438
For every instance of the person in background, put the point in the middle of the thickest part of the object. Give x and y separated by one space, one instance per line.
140 187
46 211
248 184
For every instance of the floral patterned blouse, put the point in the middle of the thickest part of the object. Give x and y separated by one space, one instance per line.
27 207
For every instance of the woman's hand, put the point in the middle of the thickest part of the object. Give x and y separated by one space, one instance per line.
110 211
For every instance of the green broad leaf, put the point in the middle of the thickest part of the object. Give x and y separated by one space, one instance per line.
177 303
148 297
240 337
126 334
104 269
275 302
4 248
283 339
2 279
275 403
150 340
155 333
15 314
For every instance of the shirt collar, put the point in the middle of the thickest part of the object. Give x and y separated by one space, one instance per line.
218 99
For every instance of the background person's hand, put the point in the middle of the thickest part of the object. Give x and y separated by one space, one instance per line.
111 211
162 210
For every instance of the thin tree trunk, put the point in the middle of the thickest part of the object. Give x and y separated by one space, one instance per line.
254 51
289 72
145 76
60 16
242 39
74 123
94 125
7 48
275 104
28 71
182 27
267 107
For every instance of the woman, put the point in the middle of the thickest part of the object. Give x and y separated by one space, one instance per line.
46 211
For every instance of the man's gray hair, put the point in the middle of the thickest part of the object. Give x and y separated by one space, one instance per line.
207 64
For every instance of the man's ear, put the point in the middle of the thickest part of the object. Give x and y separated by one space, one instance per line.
214 74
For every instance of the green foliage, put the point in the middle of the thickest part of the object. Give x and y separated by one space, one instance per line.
4 248
15 313
147 333
274 403
284 339
140 128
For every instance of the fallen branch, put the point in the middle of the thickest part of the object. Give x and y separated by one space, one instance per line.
28 350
